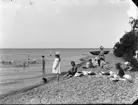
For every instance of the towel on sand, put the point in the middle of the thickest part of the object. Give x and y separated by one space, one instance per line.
125 77
78 74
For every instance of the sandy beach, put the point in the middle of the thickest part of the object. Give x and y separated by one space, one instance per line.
77 90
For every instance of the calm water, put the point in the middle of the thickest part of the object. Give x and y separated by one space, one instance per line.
13 78
22 54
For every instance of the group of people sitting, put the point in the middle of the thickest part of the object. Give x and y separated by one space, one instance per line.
96 61
120 75
100 61
112 75
91 63
29 61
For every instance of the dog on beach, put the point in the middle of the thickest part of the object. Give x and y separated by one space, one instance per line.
44 80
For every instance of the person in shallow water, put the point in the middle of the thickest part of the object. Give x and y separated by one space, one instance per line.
56 65
28 60
73 70
43 65
43 69
24 65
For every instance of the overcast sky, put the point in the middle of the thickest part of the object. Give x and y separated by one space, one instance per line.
62 23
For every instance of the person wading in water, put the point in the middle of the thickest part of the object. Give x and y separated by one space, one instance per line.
43 69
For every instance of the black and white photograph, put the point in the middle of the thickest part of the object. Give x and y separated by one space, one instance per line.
69 52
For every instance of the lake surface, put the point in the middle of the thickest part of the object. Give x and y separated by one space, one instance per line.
13 78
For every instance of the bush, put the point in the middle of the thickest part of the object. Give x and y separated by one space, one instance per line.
127 46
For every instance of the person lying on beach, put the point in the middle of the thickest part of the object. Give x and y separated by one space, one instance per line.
73 70
83 73
120 76
121 72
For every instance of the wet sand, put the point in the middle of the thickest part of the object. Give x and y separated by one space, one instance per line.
12 79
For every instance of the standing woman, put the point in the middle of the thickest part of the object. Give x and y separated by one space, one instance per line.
101 55
56 65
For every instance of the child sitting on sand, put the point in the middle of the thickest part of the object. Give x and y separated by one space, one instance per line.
73 70
88 64
95 61
120 72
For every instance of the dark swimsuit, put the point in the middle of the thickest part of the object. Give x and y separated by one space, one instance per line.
72 71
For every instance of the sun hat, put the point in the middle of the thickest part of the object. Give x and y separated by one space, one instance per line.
136 51
57 53
126 63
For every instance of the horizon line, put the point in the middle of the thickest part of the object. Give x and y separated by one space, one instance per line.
55 48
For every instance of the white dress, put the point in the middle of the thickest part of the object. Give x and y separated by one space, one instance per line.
56 66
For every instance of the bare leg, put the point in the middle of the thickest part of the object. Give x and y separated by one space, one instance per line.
66 75
105 73
58 77
43 73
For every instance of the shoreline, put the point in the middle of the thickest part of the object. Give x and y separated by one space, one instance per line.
13 92
86 89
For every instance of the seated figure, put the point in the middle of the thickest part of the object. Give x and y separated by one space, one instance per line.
82 73
88 64
120 76
95 61
73 70
91 63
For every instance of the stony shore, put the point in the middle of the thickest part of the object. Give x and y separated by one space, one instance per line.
79 90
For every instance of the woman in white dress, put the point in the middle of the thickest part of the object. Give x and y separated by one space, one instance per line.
56 65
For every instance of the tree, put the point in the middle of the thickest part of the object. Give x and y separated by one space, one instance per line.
127 46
